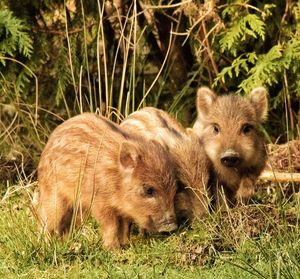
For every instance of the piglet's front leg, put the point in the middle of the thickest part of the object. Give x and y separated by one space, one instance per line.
246 190
110 227
124 231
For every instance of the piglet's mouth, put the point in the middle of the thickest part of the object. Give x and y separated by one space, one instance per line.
166 226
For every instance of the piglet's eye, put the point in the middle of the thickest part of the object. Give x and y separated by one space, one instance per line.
247 128
216 128
149 191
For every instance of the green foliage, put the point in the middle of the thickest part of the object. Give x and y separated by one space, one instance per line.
264 69
14 36
15 44
238 65
62 73
246 26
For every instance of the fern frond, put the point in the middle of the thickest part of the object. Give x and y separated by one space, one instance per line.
22 79
292 55
62 73
249 25
257 26
270 66
15 38
239 64
266 69
296 11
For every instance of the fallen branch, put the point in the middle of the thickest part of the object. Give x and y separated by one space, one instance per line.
280 176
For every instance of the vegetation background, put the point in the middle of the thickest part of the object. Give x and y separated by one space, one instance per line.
59 58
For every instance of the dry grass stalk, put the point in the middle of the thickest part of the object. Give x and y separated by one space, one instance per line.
279 176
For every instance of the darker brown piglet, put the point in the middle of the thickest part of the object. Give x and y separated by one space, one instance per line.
228 128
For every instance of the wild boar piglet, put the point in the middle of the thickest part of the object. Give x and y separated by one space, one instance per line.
192 164
90 165
228 128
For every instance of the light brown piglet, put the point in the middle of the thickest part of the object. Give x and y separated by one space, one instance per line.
192 164
90 165
228 128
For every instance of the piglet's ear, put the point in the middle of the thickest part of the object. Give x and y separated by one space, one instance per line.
128 155
205 98
258 97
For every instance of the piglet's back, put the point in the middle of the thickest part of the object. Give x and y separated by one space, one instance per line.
153 123
76 145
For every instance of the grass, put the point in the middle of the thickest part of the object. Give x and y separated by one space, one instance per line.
255 241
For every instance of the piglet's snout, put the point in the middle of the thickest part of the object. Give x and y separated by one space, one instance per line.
169 224
230 158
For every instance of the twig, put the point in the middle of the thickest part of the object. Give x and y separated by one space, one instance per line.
160 70
60 31
210 54
245 5
280 176
70 57
167 6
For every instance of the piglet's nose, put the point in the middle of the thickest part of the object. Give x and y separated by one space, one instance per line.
168 227
230 158
168 224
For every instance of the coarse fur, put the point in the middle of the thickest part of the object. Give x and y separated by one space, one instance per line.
192 165
90 165
228 128
153 123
